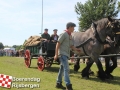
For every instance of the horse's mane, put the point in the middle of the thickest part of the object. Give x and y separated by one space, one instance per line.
102 23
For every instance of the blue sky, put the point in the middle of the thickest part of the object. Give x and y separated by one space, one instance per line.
20 19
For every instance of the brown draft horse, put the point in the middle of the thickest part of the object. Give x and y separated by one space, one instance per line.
109 49
92 43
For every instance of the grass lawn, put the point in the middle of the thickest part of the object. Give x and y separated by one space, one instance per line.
15 67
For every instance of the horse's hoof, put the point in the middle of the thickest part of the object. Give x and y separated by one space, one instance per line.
85 76
75 70
110 76
101 76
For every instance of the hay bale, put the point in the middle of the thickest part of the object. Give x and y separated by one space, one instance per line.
32 40
36 43
30 37
35 36
36 39
29 40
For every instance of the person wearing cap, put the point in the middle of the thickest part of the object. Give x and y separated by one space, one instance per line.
63 46
45 35
54 36
46 39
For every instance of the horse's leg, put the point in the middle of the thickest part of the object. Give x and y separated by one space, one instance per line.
101 73
107 65
90 71
85 71
83 60
111 68
114 60
77 65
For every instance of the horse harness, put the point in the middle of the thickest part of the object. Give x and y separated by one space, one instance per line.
82 45
93 27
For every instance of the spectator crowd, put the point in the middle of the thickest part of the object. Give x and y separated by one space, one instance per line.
10 53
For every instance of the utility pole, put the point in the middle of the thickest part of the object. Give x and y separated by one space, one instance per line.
42 19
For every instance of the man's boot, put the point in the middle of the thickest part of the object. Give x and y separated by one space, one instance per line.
69 87
59 85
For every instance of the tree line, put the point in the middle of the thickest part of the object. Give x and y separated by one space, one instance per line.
93 10
17 47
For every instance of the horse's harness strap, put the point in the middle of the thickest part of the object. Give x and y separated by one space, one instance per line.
89 39
98 37
82 45
84 51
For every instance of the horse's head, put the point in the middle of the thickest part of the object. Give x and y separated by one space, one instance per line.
114 26
115 29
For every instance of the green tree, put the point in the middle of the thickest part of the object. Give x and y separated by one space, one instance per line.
22 47
18 47
14 46
1 46
119 6
94 10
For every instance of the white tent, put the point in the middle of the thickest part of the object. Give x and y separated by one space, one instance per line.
9 49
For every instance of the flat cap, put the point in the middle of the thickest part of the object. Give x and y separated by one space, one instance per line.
46 29
55 30
70 24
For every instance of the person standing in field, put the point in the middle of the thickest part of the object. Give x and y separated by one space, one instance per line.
63 50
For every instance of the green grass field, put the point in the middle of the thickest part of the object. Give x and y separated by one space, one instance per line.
15 67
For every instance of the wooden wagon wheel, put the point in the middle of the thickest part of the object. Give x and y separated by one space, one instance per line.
27 58
41 63
48 62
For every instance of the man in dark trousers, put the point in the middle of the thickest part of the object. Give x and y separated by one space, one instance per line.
63 50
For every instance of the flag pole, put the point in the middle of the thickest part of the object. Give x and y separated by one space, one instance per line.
42 19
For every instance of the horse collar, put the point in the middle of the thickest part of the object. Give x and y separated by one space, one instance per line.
97 36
